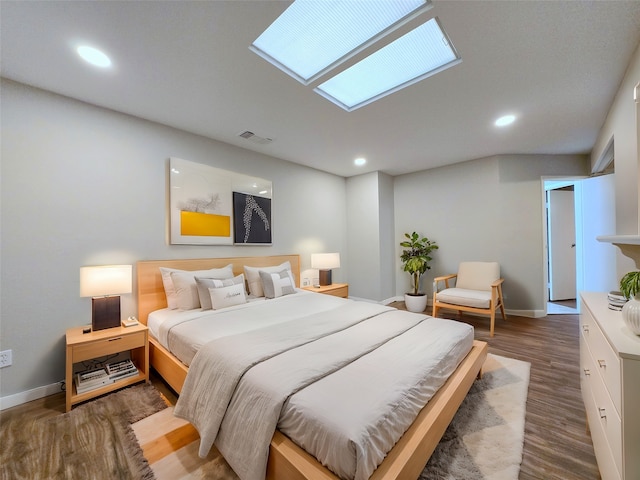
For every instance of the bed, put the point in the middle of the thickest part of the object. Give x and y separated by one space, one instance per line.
286 460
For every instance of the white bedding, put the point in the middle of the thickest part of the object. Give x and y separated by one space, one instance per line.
183 333
323 376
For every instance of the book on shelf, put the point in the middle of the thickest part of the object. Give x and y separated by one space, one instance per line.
91 379
121 369
616 300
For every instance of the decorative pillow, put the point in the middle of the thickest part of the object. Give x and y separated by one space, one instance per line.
170 289
253 277
222 297
277 284
205 283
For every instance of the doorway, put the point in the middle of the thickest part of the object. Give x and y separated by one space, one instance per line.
561 248
577 211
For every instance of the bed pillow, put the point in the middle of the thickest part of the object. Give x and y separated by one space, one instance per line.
222 297
253 277
205 283
277 284
187 279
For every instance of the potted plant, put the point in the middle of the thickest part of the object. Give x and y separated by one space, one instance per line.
415 260
630 288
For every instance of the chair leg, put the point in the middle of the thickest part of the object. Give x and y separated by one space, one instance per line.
504 316
493 321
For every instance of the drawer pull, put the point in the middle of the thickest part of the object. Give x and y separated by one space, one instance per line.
587 372
603 412
114 339
602 363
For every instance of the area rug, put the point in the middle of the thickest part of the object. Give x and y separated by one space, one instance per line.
484 440
94 441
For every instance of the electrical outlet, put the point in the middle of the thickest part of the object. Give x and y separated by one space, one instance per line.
5 358
306 282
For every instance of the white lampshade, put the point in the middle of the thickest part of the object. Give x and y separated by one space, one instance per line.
105 280
325 261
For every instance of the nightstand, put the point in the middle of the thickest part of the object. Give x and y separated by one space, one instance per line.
335 289
87 346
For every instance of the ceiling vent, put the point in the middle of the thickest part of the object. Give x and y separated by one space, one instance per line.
252 137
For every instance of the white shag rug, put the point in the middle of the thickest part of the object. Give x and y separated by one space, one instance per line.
486 436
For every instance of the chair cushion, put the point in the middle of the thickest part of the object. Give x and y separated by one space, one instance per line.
477 275
465 297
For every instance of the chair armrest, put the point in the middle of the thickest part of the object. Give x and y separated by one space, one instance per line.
444 278
497 282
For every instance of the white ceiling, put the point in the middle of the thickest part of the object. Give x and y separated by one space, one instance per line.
555 64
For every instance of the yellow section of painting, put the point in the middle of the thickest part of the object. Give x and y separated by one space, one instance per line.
204 224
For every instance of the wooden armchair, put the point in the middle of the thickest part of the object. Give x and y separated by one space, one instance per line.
478 289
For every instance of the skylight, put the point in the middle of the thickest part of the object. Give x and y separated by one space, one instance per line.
309 38
312 38
415 56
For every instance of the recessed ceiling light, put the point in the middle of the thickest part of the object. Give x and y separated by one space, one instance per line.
505 120
359 161
94 56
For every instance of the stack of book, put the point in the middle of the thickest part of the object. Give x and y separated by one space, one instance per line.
616 300
91 379
122 369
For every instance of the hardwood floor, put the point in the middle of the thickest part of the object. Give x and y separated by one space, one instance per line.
557 445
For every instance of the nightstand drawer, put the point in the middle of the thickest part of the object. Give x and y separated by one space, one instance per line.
338 292
335 289
107 346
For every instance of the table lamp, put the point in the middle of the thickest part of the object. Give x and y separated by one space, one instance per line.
104 284
324 262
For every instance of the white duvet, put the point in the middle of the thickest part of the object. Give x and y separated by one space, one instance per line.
342 379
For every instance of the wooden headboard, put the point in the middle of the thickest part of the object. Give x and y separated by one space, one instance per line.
151 290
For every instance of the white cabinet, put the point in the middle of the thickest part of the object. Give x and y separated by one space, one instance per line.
610 383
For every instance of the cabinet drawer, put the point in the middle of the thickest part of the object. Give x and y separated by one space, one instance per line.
607 363
604 421
107 346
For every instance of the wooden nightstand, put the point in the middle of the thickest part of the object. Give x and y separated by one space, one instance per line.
87 346
335 289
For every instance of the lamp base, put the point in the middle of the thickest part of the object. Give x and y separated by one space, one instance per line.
324 277
106 312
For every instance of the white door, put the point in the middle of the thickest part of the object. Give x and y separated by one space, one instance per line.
562 243
597 204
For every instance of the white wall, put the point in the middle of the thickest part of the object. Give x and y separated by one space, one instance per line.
370 238
488 210
621 125
86 186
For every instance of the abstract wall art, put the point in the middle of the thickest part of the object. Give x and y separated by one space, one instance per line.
252 219
202 205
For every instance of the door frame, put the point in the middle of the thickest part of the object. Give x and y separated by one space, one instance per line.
552 183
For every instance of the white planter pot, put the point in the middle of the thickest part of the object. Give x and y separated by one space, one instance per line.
415 303
631 314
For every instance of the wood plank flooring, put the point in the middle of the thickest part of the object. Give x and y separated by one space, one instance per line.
557 445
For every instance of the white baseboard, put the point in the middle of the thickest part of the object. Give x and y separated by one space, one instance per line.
524 313
33 394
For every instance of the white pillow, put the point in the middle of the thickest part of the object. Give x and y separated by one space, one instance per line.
253 277
205 283
222 297
169 288
277 284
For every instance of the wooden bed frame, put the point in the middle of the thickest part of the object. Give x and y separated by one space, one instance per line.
287 461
